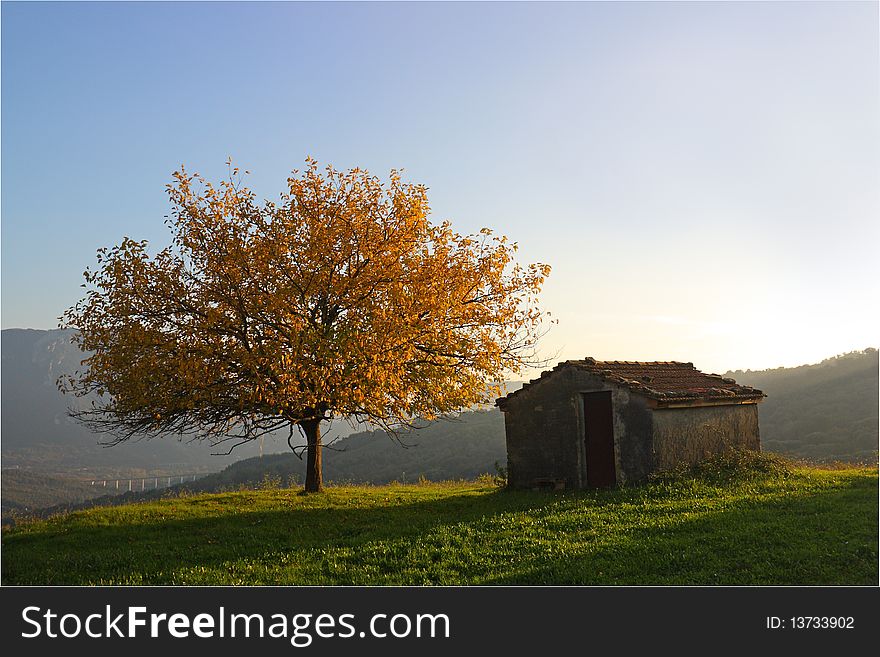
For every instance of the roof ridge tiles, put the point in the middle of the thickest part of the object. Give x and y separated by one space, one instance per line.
667 380
593 361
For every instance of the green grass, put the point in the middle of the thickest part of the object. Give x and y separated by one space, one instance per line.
786 525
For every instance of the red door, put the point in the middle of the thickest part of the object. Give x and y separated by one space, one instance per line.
599 439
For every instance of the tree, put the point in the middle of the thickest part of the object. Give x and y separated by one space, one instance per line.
340 300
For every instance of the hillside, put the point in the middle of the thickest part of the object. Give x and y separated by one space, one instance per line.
460 448
770 526
23 491
822 412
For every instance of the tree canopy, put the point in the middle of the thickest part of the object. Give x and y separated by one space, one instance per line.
341 299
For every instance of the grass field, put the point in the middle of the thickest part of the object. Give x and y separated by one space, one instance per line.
785 525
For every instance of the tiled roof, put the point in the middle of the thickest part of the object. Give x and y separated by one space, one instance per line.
662 381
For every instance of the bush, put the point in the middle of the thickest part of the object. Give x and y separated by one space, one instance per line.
270 482
734 464
499 479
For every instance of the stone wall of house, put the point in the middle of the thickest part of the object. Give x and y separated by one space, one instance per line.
690 435
545 432
633 427
540 424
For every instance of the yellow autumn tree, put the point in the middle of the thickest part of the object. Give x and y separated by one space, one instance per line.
341 299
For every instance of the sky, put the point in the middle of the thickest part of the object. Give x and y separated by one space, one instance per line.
703 178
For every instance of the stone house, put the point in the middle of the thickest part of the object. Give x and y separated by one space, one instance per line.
589 423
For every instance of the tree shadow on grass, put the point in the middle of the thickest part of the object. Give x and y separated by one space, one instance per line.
74 553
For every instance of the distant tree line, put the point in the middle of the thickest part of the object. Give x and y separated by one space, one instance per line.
823 412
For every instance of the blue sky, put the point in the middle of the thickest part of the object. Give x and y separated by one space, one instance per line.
702 177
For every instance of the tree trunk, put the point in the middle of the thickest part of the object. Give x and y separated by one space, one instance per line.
314 474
